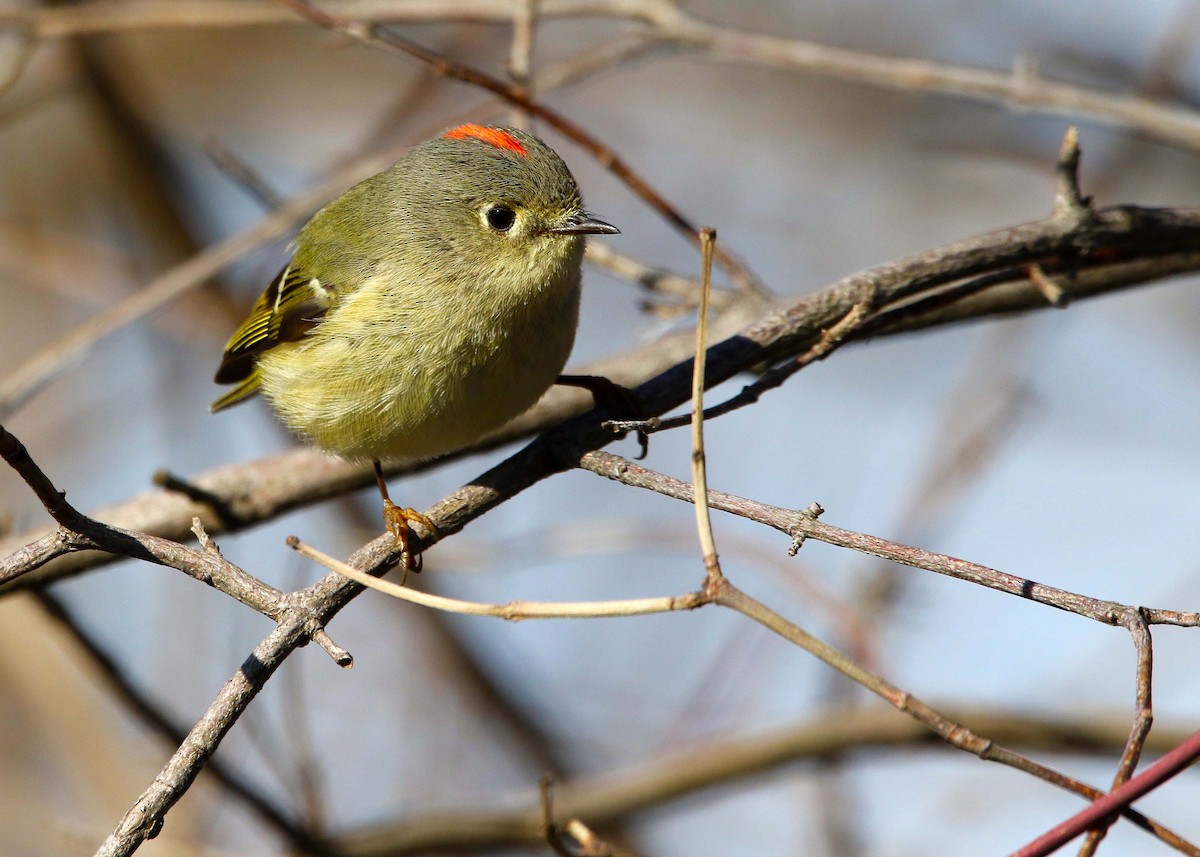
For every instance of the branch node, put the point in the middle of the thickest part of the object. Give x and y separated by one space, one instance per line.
314 629
340 656
1069 203
813 512
202 536
1055 294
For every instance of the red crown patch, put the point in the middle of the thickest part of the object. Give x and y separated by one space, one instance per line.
494 136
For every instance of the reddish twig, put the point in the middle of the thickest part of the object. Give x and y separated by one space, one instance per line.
1115 801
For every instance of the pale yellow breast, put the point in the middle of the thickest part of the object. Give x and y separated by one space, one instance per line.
433 374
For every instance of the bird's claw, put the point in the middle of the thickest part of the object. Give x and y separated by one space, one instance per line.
398 521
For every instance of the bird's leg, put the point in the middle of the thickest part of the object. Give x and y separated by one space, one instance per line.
398 519
619 401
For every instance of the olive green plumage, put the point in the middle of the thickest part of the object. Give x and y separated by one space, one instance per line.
427 305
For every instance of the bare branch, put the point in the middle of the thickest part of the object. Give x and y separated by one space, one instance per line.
708 545
513 611
1021 89
1172 763
78 532
804 524
987 275
607 797
132 697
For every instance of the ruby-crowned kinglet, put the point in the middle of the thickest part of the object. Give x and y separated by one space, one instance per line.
424 307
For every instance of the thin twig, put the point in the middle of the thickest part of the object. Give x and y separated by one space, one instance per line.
203 538
513 611
242 174
1069 201
708 545
769 380
804 523
680 292
1055 294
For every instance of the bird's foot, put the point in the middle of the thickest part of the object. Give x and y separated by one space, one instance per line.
398 522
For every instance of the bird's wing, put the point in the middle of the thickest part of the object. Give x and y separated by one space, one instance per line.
292 305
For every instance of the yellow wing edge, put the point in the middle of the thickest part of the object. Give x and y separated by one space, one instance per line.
246 388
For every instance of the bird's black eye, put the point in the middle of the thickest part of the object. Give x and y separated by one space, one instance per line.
500 217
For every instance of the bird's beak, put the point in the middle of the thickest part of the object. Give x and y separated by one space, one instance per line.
582 224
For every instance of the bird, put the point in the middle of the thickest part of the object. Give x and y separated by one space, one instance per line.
424 307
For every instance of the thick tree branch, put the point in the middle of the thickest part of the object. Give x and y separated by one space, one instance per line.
1116 248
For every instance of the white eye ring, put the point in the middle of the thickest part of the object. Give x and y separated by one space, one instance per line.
500 217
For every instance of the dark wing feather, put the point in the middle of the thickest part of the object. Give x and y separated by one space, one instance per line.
291 306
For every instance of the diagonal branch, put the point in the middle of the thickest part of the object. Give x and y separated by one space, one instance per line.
987 275
1172 763
300 836
77 532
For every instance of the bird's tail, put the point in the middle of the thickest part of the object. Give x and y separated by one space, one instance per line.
246 388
